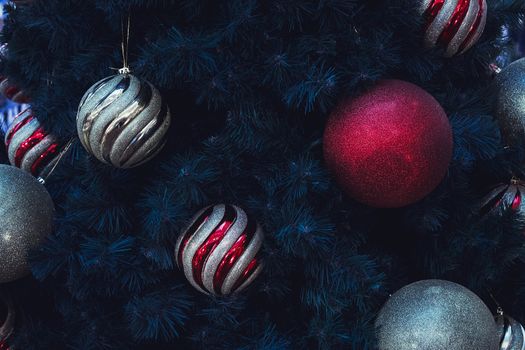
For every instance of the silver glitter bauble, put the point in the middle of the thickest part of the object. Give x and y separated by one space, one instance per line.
436 315
511 332
218 252
455 25
123 121
26 210
29 146
7 323
510 102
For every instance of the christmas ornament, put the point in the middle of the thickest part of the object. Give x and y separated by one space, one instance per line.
29 146
8 89
435 315
123 121
504 196
511 333
455 25
7 317
389 147
218 252
509 88
27 211
8 115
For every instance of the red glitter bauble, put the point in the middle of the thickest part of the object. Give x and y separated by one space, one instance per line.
391 146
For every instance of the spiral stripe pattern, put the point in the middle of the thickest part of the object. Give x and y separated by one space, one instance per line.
29 146
12 92
8 116
455 25
512 334
218 252
123 121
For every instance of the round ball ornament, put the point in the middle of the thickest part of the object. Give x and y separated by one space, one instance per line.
219 251
123 121
454 25
29 146
391 146
435 315
511 332
27 213
509 90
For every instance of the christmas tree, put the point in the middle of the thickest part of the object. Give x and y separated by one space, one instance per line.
248 88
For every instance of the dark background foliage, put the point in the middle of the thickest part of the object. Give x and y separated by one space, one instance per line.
250 85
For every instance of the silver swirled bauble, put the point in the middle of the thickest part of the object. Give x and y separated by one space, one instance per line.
27 212
435 315
511 332
455 25
29 146
509 89
123 121
7 322
218 252
504 197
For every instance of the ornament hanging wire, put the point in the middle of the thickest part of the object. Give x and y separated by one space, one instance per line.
124 46
43 178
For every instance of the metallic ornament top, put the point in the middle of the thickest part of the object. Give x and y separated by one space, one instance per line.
27 214
455 25
123 121
7 318
436 315
509 89
219 250
512 334
29 146
504 196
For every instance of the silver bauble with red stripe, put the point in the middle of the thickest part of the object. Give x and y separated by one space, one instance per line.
504 197
454 25
29 146
219 251
512 333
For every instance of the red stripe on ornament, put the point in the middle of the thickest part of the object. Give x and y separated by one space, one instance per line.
206 249
247 273
453 25
432 11
17 127
474 28
43 160
516 201
11 91
29 143
190 231
231 257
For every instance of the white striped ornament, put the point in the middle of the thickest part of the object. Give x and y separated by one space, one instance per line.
218 252
29 146
455 25
512 333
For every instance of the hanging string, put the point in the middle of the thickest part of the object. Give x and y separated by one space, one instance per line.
126 29
42 179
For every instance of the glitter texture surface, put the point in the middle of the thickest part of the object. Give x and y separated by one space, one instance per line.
27 213
123 121
218 252
510 102
436 315
455 25
511 333
389 147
